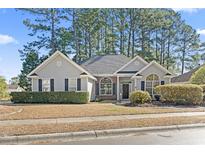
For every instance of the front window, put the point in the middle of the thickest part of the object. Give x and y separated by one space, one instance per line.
72 84
106 86
45 85
151 82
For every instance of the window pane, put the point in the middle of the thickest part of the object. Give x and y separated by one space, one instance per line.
72 84
45 85
151 82
106 86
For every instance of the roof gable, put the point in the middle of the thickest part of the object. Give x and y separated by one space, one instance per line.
153 63
51 58
134 65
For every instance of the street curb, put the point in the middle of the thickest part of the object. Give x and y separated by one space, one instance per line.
29 139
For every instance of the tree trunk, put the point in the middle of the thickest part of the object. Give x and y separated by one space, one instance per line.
53 47
168 53
183 57
156 47
90 45
129 42
133 43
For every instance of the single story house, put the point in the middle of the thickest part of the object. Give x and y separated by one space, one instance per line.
185 78
111 77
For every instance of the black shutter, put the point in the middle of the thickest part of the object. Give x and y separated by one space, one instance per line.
78 84
162 82
97 89
39 84
52 84
114 88
142 85
66 84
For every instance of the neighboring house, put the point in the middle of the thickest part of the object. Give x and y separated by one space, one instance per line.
14 88
111 77
185 78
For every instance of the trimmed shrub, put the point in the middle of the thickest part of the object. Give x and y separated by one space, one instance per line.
50 97
140 97
203 87
180 93
199 76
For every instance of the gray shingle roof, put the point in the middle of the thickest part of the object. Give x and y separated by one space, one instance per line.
106 64
186 76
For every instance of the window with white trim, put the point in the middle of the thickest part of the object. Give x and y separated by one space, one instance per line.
45 85
106 86
72 86
151 82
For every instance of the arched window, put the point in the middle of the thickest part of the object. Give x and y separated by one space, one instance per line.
151 82
106 86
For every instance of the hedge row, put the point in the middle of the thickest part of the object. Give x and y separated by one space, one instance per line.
181 93
50 97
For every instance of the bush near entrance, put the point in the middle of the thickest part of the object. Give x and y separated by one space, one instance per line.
181 93
140 97
50 97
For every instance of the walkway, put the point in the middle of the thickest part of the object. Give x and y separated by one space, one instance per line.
99 118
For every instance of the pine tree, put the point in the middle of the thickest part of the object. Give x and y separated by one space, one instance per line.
30 61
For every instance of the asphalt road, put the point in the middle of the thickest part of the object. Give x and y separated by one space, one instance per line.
174 137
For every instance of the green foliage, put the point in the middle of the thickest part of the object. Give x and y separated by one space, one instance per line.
154 34
46 26
188 41
3 88
50 97
30 62
203 87
14 81
180 93
199 76
140 97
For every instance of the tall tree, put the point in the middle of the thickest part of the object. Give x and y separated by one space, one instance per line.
153 34
30 61
188 41
46 28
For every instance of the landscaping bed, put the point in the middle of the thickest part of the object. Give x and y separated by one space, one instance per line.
98 125
44 111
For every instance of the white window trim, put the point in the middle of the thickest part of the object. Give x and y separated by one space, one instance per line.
69 83
49 83
152 82
111 87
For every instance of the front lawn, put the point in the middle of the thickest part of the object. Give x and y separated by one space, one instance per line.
97 125
36 111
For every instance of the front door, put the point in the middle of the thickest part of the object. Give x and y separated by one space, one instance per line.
125 91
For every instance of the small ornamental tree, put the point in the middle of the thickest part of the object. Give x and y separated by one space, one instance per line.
199 76
3 88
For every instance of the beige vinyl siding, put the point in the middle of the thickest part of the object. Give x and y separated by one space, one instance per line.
59 73
136 65
34 84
